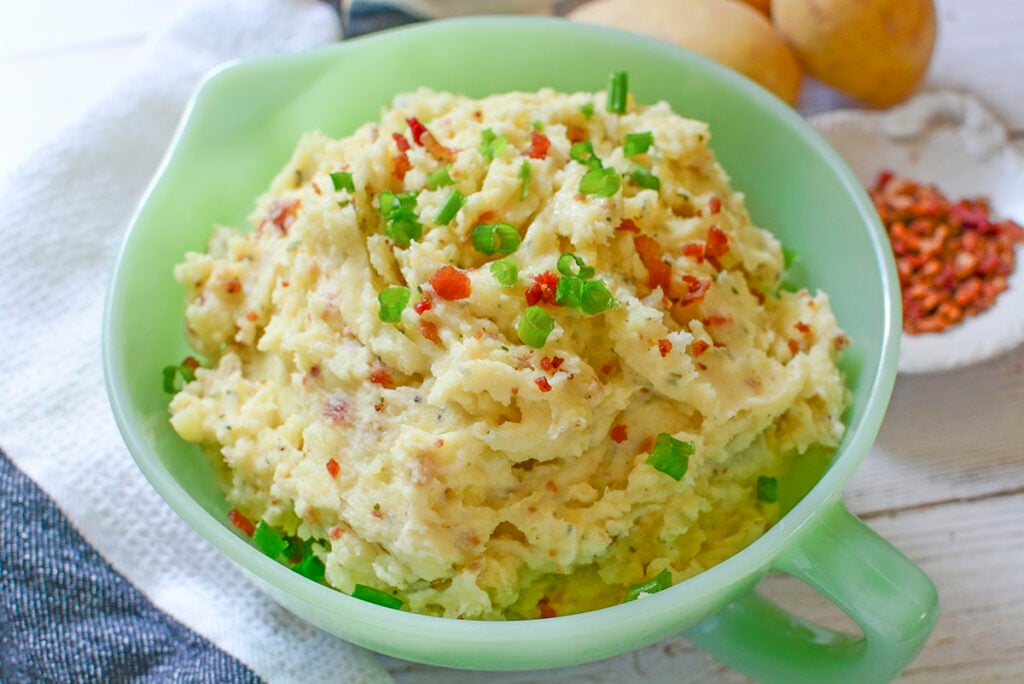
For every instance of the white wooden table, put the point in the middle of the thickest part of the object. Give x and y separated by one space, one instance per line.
945 481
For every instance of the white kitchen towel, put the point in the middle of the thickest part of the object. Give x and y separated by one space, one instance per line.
64 213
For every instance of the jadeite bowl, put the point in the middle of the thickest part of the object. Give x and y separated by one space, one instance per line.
241 127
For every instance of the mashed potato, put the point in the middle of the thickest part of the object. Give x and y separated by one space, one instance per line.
439 458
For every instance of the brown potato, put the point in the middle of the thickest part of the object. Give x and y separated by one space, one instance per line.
728 31
875 50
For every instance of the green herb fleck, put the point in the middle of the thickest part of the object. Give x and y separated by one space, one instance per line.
269 540
670 455
618 92
343 181
537 125
492 143
381 598
440 178
652 586
587 109
637 143
644 178
525 174
767 489
583 152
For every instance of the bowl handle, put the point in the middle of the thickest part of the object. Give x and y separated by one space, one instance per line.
893 601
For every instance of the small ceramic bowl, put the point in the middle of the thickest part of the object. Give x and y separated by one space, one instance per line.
951 140
241 128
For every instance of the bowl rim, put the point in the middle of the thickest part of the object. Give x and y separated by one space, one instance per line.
755 558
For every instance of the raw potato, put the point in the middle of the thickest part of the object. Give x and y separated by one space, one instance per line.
728 31
877 51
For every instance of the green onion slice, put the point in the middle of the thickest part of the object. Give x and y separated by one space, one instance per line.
571 265
492 143
767 489
269 540
381 598
450 208
440 178
505 271
311 567
343 181
393 301
637 143
588 109
583 152
535 326
525 174
644 178
403 230
670 455
600 182
652 586
618 90
170 377
489 238
537 125
569 292
595 298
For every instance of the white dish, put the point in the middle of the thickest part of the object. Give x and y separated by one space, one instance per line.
953 141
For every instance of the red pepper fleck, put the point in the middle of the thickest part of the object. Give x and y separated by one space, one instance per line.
714 205
402 164
233 286
191 362
647 444
241 522
544 288
714 319
379 406
628 225
696 288
698 347
439 442
717 242
556 361
429 331
802 327
401 142
539 145
545 609
333 468
377 513
658 272
545 364
379 375
285 283
702 366
425 304
550 484
252 316
619 434
664 347
451 284
336 532
282 213
793 346
543 384
606 368
416 128
694 250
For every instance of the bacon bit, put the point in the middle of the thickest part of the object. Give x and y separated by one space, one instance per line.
241 522
252 316
478 115
556 361
402 163
429 331
514 391
439 442
841 342
658 272
379 406
333 468
698 347
335 410
802 327
336 532
545 364
619 434
543 384
794 346
532 508
451 284
696 288
282 213
544 288
714 205
438 151
702 366
379 375
425 304
647 444
694 250
717 243
316 188
401 142
539 145
285 283
575 133
714 320
376 512
546 611
416 128
628 225
233 286
191 363
314 371
664 347
551 486
606 369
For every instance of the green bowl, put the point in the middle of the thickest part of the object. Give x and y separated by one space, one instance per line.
241 127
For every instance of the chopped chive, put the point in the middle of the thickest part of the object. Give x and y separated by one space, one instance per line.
789 258
583 152
381 598
595 298
403 230
600 182
618 90
637 143
587 109
187 371
670 455
393 301
402 226
571 265
269 540
537 125
569 292
644 178
387 203
440 178
170 375
767 489
525 174
489 238
492 143
343 181
652 586
505 271
450 208
311 567
535 326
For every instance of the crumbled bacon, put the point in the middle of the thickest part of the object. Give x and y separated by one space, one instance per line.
402 164
658 272
542 384
282 213
619 434
696 288
333 468
802 327
379 375
429 331
425 304
416 128
556 361
336 532
539 145
252 316
714 205
794 346
451 284
664 347
694 250
545 609
698 347
233 286
628 225
544 289
241 522
717 242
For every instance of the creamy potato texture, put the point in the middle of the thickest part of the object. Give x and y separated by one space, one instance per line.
440 459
